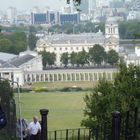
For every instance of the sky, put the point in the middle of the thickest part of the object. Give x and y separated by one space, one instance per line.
28 4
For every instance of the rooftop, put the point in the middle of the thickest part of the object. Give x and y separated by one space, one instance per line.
6 56
17 61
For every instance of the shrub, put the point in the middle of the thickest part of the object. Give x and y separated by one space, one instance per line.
70 89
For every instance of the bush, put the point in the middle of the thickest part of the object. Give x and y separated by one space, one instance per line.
70 89
41 89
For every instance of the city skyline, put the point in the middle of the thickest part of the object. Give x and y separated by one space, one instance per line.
29 4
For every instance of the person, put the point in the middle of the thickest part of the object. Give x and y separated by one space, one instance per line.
34 129
24 127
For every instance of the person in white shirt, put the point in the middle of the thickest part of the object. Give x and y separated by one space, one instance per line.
34 129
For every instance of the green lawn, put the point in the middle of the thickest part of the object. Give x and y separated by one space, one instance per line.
65 108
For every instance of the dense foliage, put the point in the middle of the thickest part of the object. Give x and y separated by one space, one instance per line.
83 27
129 29
48 59
8 105
121 95
13 42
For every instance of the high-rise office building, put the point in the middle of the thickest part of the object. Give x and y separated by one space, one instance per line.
39 18
73 18
12 15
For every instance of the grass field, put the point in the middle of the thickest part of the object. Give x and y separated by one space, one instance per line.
65 108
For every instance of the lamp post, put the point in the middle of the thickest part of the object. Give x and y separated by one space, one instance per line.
19 105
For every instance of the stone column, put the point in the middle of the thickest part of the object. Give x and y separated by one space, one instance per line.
44 124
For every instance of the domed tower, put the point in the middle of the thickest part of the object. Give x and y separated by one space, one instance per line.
111 35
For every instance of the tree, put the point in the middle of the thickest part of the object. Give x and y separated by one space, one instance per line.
32 41
5 45
73 58
129 29
82 58
65 59
19 47
19 43
97 54
32 29
48 58
123 94
7 103
112 57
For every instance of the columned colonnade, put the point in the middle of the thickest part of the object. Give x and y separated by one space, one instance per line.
69 75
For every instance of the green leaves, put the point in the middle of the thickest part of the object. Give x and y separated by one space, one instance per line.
121 95
97 54
65 59
112 57
48 58
13 43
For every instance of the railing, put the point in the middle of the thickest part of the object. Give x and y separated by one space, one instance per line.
70 134
121 127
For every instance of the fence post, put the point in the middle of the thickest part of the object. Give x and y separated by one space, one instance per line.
116 123
44 131
67 134
135 122
78 134
55 135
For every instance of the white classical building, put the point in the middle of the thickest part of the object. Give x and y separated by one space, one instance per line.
27 66
133 58
62 43
14 68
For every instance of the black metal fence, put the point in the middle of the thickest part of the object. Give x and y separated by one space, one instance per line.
122 127
70 134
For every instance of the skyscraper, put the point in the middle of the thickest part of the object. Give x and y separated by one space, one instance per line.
84 6
87 6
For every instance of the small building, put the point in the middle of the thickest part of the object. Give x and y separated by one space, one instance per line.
13 69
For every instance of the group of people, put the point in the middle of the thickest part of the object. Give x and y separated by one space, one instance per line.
29 131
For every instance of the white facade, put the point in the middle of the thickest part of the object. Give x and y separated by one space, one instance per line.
13 74
133 15
34 64
15 68
111 35
63 43
133 58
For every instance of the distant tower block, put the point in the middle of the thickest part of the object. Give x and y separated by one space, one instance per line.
111 35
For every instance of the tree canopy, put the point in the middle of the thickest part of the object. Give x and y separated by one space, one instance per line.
97 54
121 95
7 103
13 42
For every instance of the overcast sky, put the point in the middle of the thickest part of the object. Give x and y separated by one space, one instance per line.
28 4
